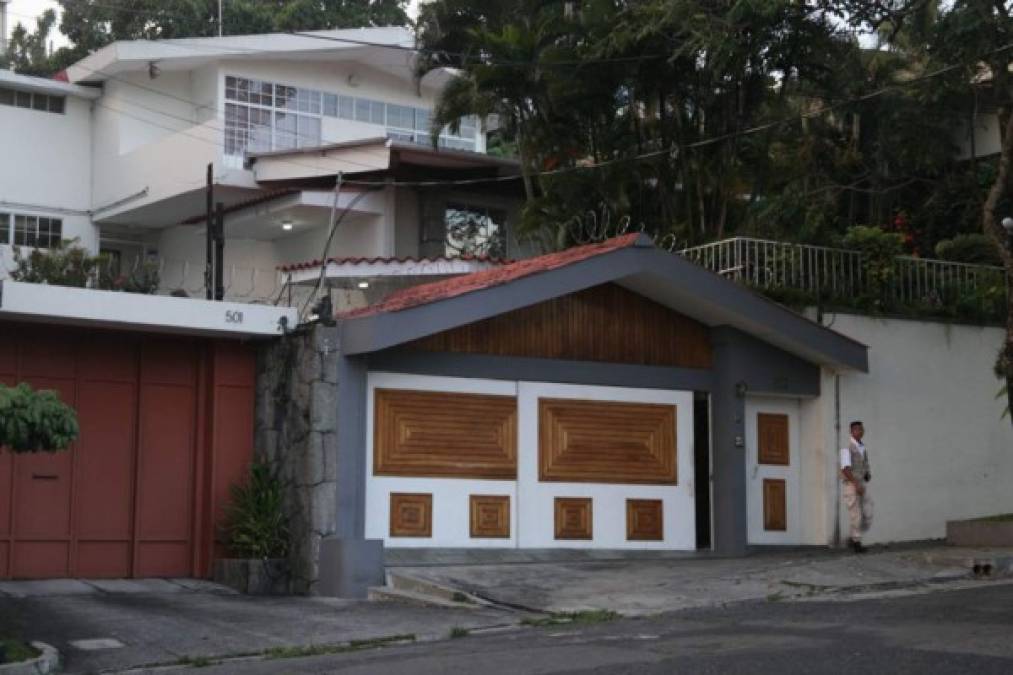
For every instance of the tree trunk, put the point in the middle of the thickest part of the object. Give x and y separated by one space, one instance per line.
992 224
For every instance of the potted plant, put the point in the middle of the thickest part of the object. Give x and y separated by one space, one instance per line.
256 533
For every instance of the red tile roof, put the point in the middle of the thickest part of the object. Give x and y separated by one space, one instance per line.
423 294
310 264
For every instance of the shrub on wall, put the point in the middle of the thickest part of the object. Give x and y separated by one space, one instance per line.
72 265
255 524
35 421
975 248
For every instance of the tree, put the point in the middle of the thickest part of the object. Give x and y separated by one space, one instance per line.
972 38
27 52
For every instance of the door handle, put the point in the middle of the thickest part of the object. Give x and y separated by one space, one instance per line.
45 476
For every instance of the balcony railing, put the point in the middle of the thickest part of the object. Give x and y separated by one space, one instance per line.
840 273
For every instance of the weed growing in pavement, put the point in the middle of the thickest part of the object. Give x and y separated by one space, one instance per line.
458 632
584 617
458 596
195 662
320 650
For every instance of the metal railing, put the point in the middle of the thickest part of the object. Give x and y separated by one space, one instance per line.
835 272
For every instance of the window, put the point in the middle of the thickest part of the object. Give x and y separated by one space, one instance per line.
262 116
474 230
28 100
5 228
37 231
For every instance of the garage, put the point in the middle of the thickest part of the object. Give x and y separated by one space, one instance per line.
165 428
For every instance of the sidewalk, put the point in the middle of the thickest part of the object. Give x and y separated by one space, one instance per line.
136 623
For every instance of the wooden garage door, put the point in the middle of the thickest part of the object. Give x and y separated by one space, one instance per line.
134 495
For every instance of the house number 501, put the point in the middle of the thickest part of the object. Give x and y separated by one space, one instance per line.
233 317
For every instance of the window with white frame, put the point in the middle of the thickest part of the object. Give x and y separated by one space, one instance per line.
262 116
22 229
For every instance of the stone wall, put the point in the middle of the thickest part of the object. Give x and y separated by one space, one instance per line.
296 432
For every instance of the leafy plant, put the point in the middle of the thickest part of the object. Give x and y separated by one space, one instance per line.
73 265
255 523
879 251
975 248
35 421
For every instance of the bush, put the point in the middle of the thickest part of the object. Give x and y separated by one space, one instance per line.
34 421
879 251
72 265
255 524
975 248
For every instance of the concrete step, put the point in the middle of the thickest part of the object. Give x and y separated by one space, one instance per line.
388 594
406 582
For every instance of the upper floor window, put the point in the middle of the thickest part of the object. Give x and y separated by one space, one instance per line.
35 231
32 100
261 116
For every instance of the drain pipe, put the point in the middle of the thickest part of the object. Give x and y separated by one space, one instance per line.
837 439
3 27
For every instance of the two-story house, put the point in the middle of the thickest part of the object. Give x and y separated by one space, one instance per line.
116 157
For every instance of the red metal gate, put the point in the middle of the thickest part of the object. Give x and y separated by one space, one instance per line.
166 427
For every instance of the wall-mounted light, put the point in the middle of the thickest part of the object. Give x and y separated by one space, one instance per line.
363 285
741 388
287 225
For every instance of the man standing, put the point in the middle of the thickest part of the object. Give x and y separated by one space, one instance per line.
856 476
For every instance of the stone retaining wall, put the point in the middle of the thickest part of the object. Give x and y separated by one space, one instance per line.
296 432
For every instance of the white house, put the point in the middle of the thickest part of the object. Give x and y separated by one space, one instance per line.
117 158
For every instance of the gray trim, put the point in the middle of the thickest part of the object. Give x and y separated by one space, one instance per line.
350 567
665 278
540 370
728 452
765 369
351 482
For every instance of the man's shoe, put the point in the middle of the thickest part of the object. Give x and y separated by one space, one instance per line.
857 547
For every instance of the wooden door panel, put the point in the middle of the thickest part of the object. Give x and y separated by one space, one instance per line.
772 439
775 505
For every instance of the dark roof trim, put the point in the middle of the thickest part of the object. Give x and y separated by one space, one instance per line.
664 277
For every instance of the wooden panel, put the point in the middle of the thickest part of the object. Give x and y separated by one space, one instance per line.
490 516
644 520
573 518
772 439
426 433
775 505
411 515
605 323
606 442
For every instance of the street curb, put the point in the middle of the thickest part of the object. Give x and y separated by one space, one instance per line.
47 662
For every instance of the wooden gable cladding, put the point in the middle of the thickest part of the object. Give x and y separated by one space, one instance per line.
775 505
772 439
605 323
438 434
606 442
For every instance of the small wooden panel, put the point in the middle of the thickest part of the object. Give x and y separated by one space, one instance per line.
606 442
573 518
411 515
437 434
490 516
772 439
605 323
775 505
644 520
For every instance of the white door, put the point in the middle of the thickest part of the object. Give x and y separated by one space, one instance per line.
588 427
772 470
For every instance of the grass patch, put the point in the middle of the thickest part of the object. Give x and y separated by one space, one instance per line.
458 632
13 651
195 662
320 650
775 597
1001 518
458 596
584 617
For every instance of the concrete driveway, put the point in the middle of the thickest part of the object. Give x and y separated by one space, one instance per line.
108 626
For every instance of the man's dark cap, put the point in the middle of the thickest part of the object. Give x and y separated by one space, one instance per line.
855 424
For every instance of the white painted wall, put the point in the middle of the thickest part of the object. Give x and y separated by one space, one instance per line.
938 446
46 169
756 473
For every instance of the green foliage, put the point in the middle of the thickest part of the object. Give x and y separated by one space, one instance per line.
72 265
879 251
255 524
27 50
35 421
14 651
973 248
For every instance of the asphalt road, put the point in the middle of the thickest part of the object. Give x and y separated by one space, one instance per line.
960 631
